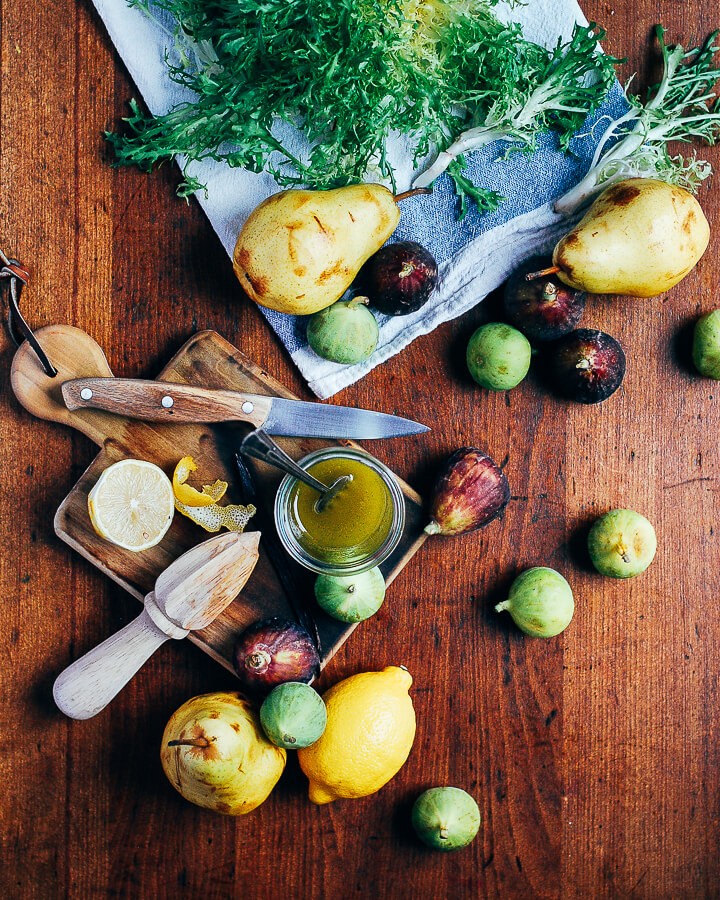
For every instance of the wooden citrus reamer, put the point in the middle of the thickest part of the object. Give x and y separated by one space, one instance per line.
188 595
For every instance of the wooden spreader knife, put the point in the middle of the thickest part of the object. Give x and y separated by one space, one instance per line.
188 595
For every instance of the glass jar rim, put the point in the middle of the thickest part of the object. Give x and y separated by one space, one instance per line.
299 554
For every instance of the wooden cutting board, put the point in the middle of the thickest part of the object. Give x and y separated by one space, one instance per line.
206 359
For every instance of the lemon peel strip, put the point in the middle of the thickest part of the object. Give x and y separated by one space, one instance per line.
201 506
213 518
216 490
189 496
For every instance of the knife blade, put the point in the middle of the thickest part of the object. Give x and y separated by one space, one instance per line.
164 401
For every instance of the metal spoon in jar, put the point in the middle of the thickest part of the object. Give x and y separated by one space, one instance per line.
260 445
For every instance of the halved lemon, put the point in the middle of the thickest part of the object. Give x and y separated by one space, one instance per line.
132 504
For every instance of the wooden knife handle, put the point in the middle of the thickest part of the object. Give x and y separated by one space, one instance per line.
165 401
87 686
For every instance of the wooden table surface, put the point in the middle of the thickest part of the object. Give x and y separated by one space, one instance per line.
594 756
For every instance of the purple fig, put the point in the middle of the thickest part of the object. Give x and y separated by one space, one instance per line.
587 365
543 308
399 278
273 651
471 491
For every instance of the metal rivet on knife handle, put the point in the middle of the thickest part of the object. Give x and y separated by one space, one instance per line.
167 401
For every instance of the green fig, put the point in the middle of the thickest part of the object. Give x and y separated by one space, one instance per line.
298 251
498 356
706 345
351 598
540 602
293 715
445 818
622 543
639 238
345 332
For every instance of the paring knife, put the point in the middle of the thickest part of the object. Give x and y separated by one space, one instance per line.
164 401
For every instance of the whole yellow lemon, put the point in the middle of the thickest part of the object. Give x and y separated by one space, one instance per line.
369 733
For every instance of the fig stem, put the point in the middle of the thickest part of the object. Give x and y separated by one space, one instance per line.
191 742
412 193
357 301
499 607
531 276
432 527
258 659
444 833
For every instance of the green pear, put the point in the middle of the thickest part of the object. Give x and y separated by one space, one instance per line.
639 238
299 251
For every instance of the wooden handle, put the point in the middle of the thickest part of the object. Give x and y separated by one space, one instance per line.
164 401
75 355
91 682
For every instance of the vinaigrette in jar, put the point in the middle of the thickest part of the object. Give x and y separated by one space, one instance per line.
362 523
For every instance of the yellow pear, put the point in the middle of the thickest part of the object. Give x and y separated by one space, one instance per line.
639 238
216 755
299 250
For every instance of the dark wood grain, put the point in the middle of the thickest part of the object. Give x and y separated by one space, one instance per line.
594 756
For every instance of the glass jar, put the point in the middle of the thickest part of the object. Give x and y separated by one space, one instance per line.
358 529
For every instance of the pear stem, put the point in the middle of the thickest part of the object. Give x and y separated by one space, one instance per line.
412 193
191 742
531 276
